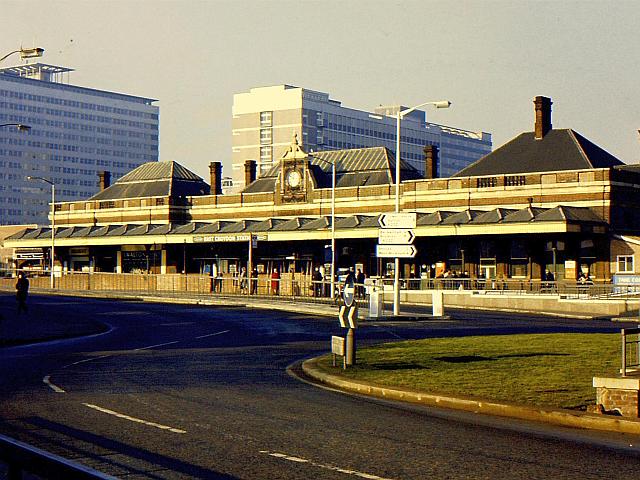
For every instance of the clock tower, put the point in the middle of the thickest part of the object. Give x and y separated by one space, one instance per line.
293 173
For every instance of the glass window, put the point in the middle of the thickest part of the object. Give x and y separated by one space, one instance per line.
265 135
265 119
265 154
625 264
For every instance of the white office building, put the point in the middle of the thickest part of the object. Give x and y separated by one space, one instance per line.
75 133
265 119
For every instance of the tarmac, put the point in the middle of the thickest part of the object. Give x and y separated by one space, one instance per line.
29 329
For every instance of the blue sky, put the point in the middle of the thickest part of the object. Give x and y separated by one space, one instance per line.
490 58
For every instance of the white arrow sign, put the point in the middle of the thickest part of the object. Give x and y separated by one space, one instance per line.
393 251
398 220
396 236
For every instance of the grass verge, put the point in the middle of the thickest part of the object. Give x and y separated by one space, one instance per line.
546 370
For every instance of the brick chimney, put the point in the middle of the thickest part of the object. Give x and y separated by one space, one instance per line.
249 172
430 161
104 179
543 116
215 171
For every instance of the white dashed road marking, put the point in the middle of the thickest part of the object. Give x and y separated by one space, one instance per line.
213 334
154 346
292 458
134 419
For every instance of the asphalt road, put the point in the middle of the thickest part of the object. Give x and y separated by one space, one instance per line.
175 391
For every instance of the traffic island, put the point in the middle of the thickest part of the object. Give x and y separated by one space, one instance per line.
566 418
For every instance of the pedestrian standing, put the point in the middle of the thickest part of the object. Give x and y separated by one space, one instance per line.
22 290
360 283
254 281
275 282
317 282
243 280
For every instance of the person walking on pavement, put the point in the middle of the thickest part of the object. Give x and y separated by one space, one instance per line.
22 290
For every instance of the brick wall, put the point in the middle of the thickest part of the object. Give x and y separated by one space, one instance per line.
614 399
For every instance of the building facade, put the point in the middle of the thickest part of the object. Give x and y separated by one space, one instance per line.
572 213
264 119
75 133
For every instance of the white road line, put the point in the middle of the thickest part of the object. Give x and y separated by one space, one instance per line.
86 360
134 419
213 334
291 458
47 381
154 346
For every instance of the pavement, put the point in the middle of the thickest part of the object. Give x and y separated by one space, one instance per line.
34 328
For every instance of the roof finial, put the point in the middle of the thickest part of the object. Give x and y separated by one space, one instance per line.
295 139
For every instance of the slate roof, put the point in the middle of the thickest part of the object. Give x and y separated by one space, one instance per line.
559 149
561 213
354 167
155 179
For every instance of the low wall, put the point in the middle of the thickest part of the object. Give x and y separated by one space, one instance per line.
525 303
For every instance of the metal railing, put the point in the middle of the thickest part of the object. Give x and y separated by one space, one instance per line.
630 351
298 285
22 458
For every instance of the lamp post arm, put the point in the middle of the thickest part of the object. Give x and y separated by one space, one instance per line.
9 54
439 104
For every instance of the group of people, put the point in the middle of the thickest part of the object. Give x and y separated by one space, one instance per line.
453 274
321 282
320 285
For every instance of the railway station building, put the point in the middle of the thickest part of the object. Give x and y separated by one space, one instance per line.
548 200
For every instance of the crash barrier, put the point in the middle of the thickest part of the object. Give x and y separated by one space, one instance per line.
22 458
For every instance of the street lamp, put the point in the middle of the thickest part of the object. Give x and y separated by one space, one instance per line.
26 53
19 126
53 220
333 224
399 115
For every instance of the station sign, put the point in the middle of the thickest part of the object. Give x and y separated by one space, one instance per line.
396 251
396 236
398 220
240 237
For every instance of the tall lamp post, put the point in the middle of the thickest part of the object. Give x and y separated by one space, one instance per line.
53 221
333 225
399 116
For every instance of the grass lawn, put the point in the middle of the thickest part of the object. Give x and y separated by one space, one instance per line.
546 370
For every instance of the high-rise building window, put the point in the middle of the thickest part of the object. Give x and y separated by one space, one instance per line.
265 119
265 135
266 154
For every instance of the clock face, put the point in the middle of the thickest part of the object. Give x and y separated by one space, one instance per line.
294 179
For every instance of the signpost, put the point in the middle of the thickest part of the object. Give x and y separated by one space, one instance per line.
338 350
395 241
348 318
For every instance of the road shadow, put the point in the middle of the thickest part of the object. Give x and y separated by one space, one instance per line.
67 438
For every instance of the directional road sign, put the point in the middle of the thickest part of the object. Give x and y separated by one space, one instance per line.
398 220
348 316
395 236
393 251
